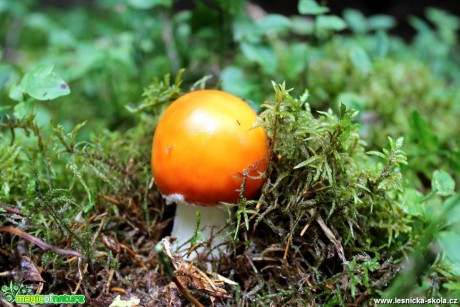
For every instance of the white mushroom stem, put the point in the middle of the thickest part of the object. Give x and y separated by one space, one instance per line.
212 220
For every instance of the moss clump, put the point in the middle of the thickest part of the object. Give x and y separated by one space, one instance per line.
325 226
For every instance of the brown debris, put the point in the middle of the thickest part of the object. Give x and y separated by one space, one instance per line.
169 296
115 247
29 270
192 278
329 234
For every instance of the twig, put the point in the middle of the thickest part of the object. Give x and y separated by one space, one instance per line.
312 213
251 263
111 273
92 218
203 275
118 289
287 248
135 256
12 210
330 235
109 199
40 243
82 275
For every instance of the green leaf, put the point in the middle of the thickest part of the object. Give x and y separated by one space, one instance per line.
381 22
302 26
449 243
330 22
361 60
75 131
296 59
376 153
382 43
352 101
261 54
274 23
16 93
234 81
306 162
412 202
311 7
443 183
452 286
447 25
421 134
197 234
23 108
421 26
355 20
246 30
451 209
42 83
78 176
399 143
148 4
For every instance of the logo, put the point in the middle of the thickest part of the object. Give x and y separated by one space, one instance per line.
23 295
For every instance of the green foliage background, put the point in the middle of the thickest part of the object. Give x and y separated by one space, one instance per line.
82 89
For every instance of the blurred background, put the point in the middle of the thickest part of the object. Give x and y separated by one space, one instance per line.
397 62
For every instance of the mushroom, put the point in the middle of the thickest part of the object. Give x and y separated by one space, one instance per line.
204 145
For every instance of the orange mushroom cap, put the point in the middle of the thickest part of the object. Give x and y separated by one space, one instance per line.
204 145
